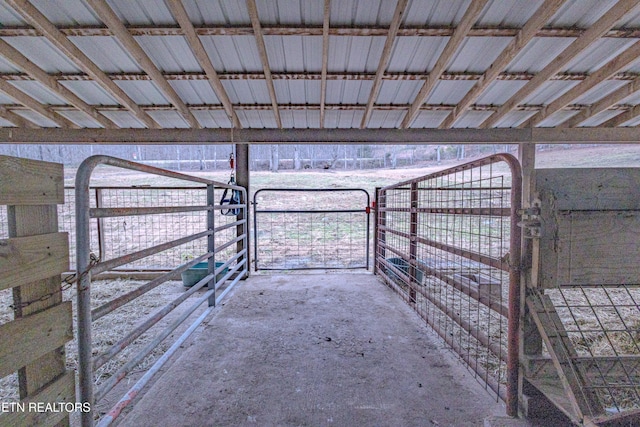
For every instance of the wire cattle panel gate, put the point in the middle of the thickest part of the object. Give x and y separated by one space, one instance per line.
448 243
298 229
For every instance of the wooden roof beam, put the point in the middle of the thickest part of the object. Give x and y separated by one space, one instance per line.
470 17
611 68
55 36
325 59
594 32
16 119
401 7
524 36
180 14
36 106
108 16
620 119
262 50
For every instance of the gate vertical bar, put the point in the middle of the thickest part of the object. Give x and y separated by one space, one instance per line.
83 260
413 243
376 212
101 242
211 243
381 223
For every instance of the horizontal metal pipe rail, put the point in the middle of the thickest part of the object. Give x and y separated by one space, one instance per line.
418 217
86 268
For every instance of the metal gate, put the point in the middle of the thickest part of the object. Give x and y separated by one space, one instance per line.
302 229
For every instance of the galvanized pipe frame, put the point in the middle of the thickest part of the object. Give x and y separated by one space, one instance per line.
510 393
86 268
366 210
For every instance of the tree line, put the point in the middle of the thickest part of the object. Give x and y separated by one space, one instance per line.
262 157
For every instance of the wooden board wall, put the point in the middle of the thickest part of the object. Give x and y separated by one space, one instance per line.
31 262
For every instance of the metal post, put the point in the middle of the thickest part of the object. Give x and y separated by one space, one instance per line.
381 221
413 244
101 244
211 243
83 261
376 214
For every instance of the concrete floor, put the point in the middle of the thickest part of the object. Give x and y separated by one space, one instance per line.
314 350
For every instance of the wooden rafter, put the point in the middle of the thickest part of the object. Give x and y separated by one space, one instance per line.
612 99
14 56
16 119
616 64
470 16
34 105
292 30
55 36
325 58
524 36
180 14
401 7
262 50
108 16
600 27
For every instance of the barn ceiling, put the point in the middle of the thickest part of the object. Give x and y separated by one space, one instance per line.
314 64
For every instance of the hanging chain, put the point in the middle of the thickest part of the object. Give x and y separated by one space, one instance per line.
67 283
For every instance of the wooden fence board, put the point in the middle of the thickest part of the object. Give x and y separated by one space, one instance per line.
30 182
61 390
28 338
27 259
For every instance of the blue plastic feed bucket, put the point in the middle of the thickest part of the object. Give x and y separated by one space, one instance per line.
198 272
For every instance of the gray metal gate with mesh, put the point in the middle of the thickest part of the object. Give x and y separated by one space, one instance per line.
302 229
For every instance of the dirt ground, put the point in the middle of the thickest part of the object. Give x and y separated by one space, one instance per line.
315 350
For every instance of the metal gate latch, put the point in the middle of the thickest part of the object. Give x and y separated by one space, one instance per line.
531 221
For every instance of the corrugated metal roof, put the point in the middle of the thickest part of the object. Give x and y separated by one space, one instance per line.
36 118
600 118
117 61
195 92
123 119
293 52
416 54
354 54
290 12
80 119
232 53
45 55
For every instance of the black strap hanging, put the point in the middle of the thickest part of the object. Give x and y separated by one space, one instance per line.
234 197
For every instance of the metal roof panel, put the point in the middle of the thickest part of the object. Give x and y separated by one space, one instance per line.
600 118
143 92
343 118
538 53
117 61
429 119
294 53
124 119
443 13
580 14
549 91
362 12
170 119
449 91
354 54
348 91
247 91
300 119
500 91
297 91
597 55
508 13
599 91
476 54
67 12
147 12
43 53
398 91
217 12
90 92
290 12
36 118
514 119
39 92
386 119
194 92
257 119
415 54
80 118
212 118
233 53
169 53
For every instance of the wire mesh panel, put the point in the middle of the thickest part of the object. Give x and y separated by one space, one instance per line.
299 229
445 243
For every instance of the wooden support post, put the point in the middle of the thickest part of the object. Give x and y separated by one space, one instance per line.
242 179
530 338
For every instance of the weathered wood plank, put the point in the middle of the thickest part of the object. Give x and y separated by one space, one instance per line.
598 248
60 391
29 221
27 259
30 182
26 339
